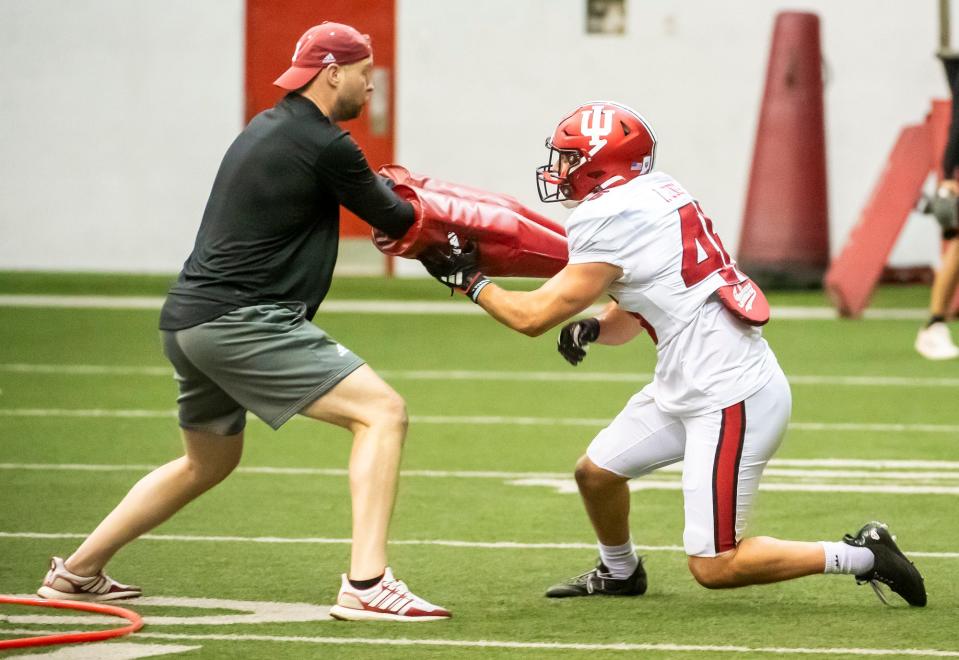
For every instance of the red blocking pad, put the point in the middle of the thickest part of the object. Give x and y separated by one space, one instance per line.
400 174
510 244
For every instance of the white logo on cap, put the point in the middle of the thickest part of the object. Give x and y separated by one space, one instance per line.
296 51
329 59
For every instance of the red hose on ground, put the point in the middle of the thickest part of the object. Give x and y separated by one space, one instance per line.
136 622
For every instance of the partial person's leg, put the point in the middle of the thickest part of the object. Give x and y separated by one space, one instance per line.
725 456
638 441
212 424
376 416
934 341
606 499
758 560
297 368
945 282
726 453
871 555
208 459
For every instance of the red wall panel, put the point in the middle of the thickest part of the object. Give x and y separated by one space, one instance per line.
272 28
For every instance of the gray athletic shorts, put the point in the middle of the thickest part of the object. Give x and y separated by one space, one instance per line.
267 359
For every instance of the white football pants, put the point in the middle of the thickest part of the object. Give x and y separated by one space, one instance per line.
723 453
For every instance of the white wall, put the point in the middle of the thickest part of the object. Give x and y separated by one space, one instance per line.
492 78
114 114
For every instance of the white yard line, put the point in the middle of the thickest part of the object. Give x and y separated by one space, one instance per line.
878 428
485 420
407 307
85 370
111 651
777 468
81 302
628 647
810 481
488 545
192 538
491 375
79 412
854 475
568 486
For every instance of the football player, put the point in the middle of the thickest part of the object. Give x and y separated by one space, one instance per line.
719 401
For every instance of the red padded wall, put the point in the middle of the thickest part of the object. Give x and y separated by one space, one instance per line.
272 28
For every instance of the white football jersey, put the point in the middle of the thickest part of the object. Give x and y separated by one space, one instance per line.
673 262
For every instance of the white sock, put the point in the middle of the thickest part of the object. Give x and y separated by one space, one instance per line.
621 560
848 559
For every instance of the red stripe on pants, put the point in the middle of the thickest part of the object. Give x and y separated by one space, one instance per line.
729 451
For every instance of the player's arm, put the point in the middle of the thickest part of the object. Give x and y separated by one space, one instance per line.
563 296
617 326
613 326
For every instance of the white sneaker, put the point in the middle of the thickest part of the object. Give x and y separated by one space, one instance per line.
389 600
935 343
63 585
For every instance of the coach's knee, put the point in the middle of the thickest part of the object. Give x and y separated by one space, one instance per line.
207 475
714 572
591 477
389 410
211 458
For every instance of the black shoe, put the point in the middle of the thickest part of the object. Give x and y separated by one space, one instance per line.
598 582
891 568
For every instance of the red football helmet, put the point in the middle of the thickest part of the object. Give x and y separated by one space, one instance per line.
598 145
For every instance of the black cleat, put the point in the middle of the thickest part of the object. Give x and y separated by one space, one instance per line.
892 568
598 582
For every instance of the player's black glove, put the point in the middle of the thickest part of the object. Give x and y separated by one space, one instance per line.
575 337
458 268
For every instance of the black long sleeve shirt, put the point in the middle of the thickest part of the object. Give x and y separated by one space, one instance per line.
270 231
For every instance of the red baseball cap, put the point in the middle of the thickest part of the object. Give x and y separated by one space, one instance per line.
322 45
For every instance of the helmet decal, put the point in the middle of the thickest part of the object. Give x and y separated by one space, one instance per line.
596 124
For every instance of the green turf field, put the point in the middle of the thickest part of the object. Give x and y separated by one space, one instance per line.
485 518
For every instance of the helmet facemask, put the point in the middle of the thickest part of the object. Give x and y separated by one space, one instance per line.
552 179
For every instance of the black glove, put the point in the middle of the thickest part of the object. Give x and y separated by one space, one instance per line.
575 337
458 269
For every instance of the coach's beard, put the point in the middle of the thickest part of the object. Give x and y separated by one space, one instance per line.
345 109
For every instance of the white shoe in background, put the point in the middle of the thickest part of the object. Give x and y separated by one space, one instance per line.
935 343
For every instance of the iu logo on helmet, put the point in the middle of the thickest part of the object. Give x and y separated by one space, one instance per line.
596 125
